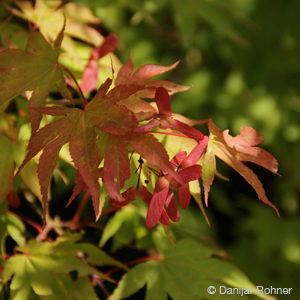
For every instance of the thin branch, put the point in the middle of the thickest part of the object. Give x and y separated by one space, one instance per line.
110 210
77 101
85 102
135 261
35 225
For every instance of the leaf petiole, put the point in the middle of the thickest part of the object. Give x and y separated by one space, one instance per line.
171 133
85 102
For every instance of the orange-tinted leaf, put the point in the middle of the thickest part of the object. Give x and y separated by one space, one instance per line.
40 139
54 110
148 71
123 91
235 150
125 72
50 139
143 74
152 85
116 166
244 143
103 89
141 109
118 93
47 163
79 186
113 119
84 152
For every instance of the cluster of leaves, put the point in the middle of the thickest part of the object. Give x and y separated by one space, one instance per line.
115 123
227 87
120 143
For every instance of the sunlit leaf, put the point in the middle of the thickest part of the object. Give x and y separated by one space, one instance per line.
43 268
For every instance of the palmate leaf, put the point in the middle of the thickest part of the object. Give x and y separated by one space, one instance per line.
35 69
116 165
184 272
43 269
49 18
234 151
50 139
126 75
102 130
122 227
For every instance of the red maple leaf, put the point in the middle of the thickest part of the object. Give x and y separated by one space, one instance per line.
162 204
90 72
103 130
165 119
163 197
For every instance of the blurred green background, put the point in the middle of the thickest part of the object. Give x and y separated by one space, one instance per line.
243 59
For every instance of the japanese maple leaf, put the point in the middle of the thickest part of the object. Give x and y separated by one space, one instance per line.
181 161
163 196
35 69
165 118
90 72
79 128
162 204
49 17
50 139
142 109
141 192
103 130
234 151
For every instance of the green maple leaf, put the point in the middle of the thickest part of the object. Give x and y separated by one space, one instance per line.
34 69
49 18
184 272
10 225
42 269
